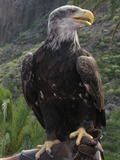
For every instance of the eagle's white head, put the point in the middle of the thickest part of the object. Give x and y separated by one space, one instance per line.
64 22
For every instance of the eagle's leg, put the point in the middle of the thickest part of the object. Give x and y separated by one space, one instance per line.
51 122
81 132
46 147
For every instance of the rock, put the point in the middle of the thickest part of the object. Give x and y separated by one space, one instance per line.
118 43
109 108
18 15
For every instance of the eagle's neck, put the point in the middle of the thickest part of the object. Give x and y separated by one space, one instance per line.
57 38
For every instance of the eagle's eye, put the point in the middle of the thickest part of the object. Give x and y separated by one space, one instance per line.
73 11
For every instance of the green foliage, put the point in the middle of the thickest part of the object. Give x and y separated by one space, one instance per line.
21 130
109 64
111 139
114 4
25 130
5 117
113 7
5 140
5 105
4 94
6 108
10 75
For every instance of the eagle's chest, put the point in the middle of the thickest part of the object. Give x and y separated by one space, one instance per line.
58 76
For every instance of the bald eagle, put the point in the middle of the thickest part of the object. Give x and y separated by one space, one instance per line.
61 81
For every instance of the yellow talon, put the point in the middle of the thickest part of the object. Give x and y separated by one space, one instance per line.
81 132
46 147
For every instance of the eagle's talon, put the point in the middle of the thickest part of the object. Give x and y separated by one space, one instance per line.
40 146
81 132
46 147
49 154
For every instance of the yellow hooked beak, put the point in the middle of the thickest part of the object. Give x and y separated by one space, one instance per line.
85 17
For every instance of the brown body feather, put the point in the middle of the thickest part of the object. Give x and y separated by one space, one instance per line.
61 81
64 89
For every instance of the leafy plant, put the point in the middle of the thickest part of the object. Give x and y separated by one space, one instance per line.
19 129
4 142
6 110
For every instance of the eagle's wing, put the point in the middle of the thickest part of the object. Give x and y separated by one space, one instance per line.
29 91
91 79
